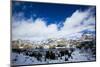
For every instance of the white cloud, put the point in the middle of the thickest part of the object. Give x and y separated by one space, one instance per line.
79 21
38 30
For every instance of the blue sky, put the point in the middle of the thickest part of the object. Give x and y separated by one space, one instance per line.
52 13
56 16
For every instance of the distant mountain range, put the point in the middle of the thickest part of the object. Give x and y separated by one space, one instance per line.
93 32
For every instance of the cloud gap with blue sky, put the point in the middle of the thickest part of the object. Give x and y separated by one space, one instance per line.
38 21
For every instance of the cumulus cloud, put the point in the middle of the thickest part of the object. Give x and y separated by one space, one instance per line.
38 30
